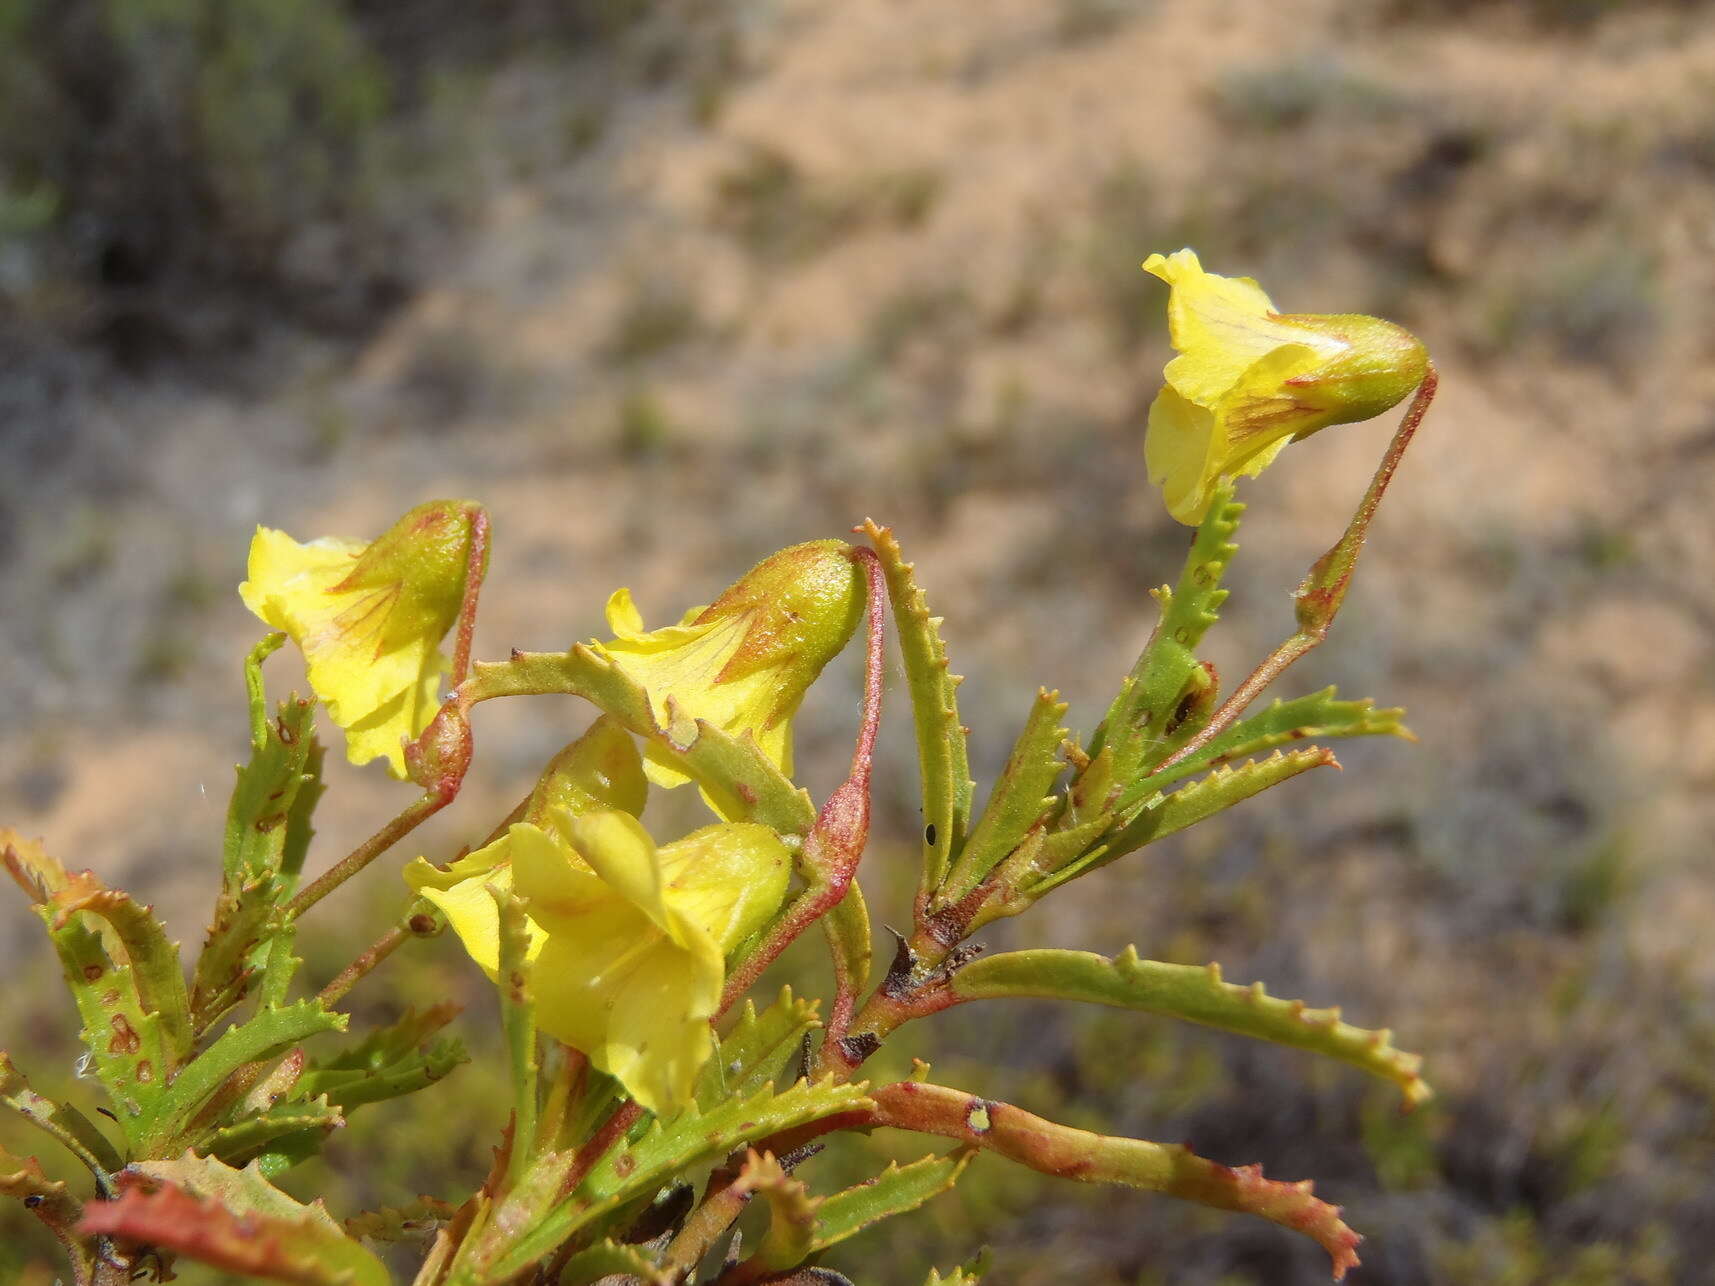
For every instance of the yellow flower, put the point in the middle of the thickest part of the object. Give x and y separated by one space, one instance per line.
600 770
632 964
1248 380
369 619
744 662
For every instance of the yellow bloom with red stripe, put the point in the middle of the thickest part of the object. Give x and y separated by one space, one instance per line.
369 619
1247 380
744 662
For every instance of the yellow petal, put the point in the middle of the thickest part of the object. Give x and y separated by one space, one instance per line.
1220 326
1248 380
461 892
1176 450
728 879
633 999
623 618
600 770
624 976
368 619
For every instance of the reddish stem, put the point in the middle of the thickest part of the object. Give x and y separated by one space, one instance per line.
836 842
476 568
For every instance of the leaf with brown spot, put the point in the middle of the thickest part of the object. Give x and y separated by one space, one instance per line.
234 1220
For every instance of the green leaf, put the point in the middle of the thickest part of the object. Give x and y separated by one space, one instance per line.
246 1139
668 1148
610 1259
1020 799
416 1220
267 833
73 1130
1162 815
234 1220
351 1088
757 1051
259 816
1142 725
894 1191
741 781
52 1203
1196 994
1051 1148
791 1234
846 928
154 960
244 917
942 759
518 1020
1321 716
123 974
127 1043
267 1035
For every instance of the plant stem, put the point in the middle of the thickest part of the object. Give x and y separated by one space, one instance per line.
365 853
836 843
353 973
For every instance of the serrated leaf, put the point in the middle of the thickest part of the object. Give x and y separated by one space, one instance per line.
123 974
414 1221
942 758
1321 716
233 1220
382 1047
153 958
250 1136
1196 994
267 832
49 1200
1135 730
355 1087
267 1034
791 1234
741 782
894 1191
259 811
1019 800
610 1259
1051 1148
127 1048
757 1050
74 1131
642 1165
1162 815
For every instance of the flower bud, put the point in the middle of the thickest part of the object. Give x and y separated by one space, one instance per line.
744 662
369 619
1248 380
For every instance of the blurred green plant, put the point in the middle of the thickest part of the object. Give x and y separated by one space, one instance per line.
653 1098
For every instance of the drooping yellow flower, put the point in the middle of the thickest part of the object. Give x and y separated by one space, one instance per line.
1248 380
601 770
636 936
744 662
369 619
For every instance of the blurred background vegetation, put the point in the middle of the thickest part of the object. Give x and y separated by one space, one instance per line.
669 285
